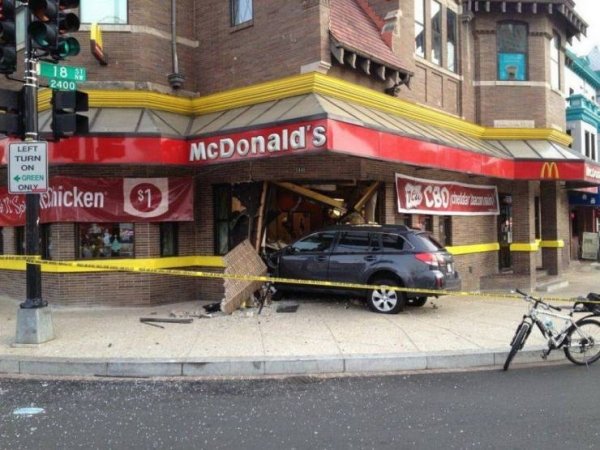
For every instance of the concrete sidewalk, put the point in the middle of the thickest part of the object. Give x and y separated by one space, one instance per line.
323 336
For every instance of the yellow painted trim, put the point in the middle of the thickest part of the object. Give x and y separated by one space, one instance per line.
524 247
473 248
544 134
552 244
295 85
146 263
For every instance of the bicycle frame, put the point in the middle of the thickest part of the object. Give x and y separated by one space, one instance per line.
556 338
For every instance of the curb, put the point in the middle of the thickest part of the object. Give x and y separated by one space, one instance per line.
258 367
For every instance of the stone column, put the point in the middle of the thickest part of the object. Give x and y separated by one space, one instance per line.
523 259
552 224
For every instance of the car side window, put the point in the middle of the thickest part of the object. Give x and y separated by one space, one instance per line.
318 242
354 242
394 243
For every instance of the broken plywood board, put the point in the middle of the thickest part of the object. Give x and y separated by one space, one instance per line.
242 260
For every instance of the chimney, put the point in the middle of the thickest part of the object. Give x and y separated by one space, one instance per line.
390 27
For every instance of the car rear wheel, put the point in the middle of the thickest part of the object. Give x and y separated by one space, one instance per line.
419 301
385 300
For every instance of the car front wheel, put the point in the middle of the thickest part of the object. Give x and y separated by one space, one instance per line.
385 300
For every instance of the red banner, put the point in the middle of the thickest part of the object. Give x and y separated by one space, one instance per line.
418 196
105 200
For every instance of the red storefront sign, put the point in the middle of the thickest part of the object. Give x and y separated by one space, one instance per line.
72 199
416 195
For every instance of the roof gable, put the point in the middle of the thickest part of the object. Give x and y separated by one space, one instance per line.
356 27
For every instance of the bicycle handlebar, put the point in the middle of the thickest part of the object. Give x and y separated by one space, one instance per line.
537 301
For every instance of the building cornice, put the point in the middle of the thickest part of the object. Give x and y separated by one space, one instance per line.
296 85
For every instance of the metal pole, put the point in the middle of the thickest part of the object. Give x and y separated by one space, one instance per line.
32 201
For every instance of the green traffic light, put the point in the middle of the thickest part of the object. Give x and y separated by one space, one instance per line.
68 47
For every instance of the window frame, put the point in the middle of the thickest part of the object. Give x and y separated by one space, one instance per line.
98 237
436 33
504 55
420 26
82 10
555 78
173 229
451 40
235 8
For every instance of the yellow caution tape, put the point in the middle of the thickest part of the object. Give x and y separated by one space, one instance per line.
269 279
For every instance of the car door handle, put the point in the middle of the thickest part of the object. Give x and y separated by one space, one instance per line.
370 258
321 258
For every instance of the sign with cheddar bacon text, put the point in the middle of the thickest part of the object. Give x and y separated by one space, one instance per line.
421 196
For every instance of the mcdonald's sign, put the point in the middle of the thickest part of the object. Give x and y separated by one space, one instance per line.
549 170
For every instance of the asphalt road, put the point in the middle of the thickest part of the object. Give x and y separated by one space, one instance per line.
551 407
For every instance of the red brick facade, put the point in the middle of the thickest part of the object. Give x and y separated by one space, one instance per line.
287 38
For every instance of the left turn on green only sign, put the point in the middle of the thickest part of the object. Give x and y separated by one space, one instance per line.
28 167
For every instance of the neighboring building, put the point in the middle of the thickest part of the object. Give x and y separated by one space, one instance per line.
583 124
269 119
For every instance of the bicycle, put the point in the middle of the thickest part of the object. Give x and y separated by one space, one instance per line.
580 339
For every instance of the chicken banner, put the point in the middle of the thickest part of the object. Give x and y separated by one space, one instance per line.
71 199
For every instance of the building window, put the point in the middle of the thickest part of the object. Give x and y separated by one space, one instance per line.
241 11
106 240
169 232
512 49
587 145
451 39
108 11
592 146
436 32
419 28
446 230
555 61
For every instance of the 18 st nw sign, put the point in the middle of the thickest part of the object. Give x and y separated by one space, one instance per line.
28 167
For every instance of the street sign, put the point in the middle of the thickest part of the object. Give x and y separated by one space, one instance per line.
62 78
59 72
28 167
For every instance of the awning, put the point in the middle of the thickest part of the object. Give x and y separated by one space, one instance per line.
352 128
584 199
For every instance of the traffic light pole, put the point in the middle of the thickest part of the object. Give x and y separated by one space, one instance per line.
34 322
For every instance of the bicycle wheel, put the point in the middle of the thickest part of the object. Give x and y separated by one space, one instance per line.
583 342
518 342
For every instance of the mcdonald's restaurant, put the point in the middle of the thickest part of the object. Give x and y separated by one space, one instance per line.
178 184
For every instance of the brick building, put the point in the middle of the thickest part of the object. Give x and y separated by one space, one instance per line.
216 121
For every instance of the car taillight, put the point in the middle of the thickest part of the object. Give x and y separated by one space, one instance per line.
432 259
428 258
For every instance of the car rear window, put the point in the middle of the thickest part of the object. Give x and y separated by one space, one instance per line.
394 242
424 242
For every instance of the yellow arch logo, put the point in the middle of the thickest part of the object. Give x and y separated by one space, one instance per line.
549 170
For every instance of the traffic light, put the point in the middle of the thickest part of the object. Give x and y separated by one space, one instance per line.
11 112
8 37
65 120
50 26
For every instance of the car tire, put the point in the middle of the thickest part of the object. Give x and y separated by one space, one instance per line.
386 301
418 302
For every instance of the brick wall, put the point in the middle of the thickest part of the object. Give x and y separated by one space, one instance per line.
283 37
504 101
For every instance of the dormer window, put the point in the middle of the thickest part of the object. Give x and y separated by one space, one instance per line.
512 51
